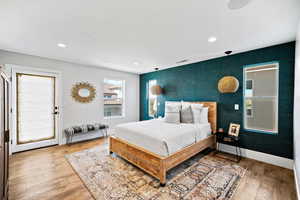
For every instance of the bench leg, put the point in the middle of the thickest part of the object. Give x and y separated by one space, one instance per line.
104 132
68 139
71 139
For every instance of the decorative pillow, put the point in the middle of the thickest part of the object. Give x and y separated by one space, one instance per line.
185 104
176 103
196 112
172 112
204 115
186 115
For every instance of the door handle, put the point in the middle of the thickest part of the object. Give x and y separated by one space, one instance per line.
55 113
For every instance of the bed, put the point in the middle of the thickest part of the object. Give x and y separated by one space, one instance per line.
156 146
148 134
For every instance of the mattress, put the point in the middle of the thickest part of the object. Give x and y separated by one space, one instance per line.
160 137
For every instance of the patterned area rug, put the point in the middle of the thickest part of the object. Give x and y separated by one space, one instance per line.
111 178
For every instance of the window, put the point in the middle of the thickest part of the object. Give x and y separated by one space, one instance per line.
261 97
151 99
113 98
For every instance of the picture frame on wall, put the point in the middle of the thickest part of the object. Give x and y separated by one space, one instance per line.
234 130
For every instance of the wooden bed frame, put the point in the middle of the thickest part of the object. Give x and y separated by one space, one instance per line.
157 165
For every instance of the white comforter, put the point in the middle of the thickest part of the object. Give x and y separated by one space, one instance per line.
160 137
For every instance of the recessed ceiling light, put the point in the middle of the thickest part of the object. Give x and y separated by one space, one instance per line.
237 4
61 45
136 63
212 39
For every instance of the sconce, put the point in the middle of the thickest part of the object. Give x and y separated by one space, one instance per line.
156 90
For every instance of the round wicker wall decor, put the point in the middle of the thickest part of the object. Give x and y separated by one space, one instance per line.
228 84
83 92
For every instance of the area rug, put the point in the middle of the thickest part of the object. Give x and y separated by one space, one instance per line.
112 178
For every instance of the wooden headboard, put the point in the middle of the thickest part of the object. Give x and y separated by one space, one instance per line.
212 113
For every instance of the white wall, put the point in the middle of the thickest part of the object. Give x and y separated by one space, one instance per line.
74 113
297 109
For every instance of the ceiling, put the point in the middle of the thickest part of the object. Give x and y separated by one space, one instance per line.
136 35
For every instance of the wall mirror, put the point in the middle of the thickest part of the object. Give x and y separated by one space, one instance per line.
83 92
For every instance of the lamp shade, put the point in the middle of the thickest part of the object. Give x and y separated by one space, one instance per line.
228 84
156 90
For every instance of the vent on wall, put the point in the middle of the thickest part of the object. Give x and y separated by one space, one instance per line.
237 4
182 61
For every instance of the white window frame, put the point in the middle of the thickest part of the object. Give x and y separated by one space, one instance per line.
276 63
123 98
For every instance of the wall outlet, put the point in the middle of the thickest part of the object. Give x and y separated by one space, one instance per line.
236 107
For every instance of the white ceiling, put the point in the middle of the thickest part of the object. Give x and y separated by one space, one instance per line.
117 33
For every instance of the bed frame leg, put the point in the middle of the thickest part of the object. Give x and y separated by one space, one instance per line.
214 146
162 184
162 173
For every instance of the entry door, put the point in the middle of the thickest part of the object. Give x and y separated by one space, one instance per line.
4 136
35 110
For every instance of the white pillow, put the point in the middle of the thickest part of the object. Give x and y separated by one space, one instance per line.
185 104
196 111
177 103
204 115
172 113
186 115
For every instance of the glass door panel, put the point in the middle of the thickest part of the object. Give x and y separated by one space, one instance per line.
35 108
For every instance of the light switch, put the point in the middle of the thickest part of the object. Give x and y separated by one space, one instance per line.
236 107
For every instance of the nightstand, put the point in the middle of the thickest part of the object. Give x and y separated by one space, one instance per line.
230 140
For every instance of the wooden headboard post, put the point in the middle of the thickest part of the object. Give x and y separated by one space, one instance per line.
212 113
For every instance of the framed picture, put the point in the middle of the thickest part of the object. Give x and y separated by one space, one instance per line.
234 129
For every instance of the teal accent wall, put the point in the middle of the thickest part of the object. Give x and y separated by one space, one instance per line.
198 82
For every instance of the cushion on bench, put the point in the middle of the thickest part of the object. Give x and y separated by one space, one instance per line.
84 128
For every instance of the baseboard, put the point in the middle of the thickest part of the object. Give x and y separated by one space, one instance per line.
263 157
296 182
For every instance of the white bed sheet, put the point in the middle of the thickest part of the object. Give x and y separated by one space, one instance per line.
160 137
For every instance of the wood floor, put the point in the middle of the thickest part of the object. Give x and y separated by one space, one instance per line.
45 174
